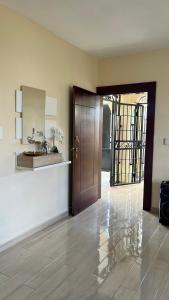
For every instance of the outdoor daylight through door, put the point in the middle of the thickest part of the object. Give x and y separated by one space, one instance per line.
125 117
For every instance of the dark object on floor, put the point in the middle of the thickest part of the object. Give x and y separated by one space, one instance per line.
164 203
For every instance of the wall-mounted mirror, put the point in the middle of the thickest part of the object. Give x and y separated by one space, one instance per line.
33 112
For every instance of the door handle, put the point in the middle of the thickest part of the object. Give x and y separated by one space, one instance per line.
75 149
77 139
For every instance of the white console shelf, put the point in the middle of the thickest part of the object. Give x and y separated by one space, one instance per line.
63 163
23 171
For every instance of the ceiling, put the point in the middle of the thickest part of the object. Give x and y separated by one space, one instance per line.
102 27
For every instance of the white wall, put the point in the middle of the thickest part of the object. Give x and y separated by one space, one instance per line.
31 199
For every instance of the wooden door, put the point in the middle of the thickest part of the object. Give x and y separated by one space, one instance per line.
86 150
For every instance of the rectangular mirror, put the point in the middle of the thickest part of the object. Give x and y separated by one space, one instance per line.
33 112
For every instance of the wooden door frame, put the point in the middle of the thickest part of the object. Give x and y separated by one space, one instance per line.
150 88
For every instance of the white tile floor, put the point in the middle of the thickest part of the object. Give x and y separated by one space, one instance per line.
113 250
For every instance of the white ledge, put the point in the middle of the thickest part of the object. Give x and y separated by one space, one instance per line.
20 170
23 171
63 163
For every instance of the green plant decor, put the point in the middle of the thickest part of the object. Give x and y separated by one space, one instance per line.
54 149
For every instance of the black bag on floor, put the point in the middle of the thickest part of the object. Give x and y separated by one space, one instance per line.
164 203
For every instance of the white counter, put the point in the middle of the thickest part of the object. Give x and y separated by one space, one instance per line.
32 199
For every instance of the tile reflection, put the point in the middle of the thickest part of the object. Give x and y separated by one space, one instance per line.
110 251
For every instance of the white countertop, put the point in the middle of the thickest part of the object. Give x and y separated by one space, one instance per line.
19 170
63 163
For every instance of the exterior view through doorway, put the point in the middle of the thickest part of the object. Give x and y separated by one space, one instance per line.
128 131
124 138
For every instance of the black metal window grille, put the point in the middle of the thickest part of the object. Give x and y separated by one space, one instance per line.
128 143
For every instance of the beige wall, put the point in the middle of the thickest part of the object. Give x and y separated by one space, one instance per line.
150 66
32 56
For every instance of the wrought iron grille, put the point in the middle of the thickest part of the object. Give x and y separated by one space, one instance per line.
128 143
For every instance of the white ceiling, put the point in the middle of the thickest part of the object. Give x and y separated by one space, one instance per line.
102 27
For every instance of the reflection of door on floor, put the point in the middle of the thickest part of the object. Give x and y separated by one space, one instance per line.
124 132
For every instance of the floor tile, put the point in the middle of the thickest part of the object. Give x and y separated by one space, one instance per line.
112 250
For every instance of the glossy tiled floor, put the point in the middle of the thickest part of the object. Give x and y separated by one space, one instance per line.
113 250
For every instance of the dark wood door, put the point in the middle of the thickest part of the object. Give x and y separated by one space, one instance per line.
86 150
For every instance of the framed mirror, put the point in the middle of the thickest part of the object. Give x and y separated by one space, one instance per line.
33 112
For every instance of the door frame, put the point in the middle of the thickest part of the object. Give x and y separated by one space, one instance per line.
150 88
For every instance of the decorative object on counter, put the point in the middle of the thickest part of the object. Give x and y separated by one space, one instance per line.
39 140
53 133
57 136
25 160
41 143
49 125
60 135
54 149
44 146
40 157
33 141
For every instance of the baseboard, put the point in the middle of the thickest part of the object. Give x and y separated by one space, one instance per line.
30 232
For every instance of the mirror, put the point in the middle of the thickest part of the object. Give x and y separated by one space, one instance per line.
33 112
